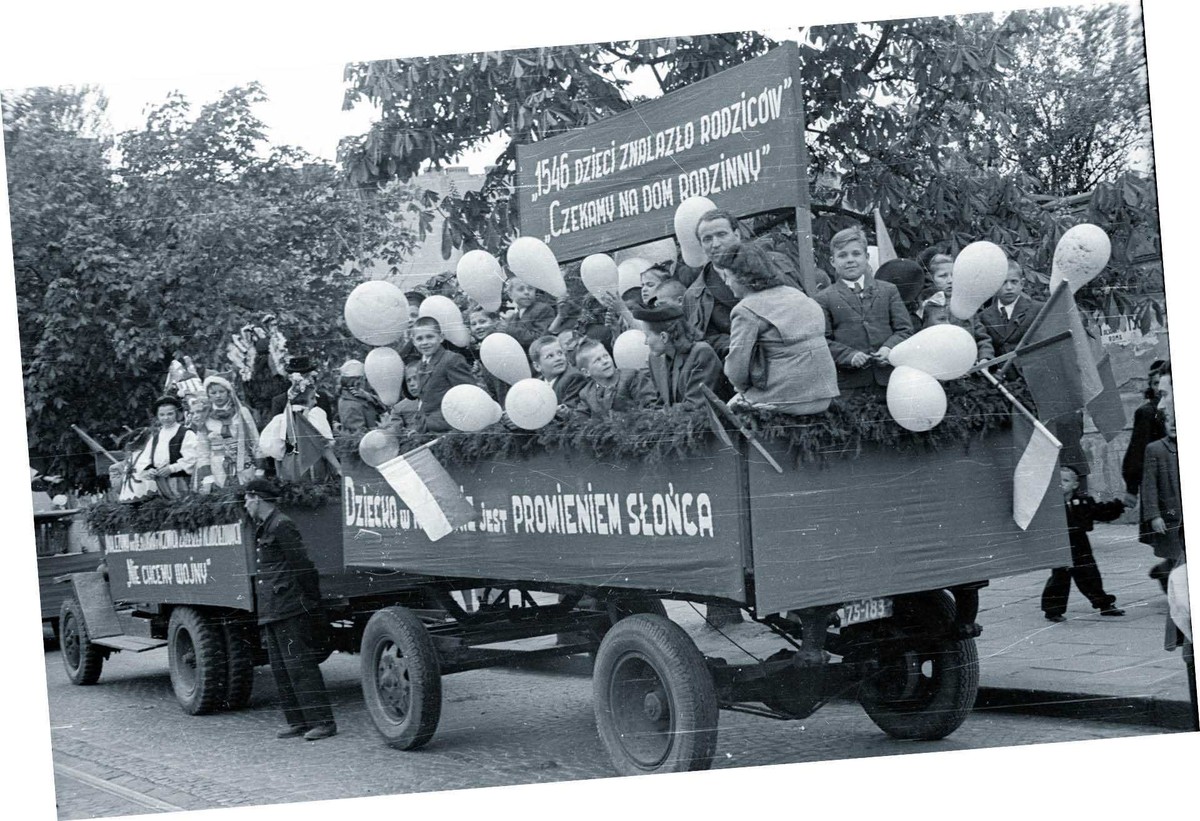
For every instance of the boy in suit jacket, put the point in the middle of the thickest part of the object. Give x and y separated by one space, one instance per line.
864 317
439 370
550 363
1009 316
610 389
531 319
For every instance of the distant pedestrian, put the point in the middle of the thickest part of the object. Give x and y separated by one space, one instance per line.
1162 501
289 602
1082 512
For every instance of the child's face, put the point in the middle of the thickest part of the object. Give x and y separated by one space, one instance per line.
1067 480
522 294
167 415
850 261
426 341
942 276
481 325
651 279
599 365
414 312
1011 289
632 299
664 296
412 378
551 360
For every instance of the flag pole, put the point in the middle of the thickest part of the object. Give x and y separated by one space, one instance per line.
1037 323
1037 423
1005 358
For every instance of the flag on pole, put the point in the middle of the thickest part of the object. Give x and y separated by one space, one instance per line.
304 447
1062 376
887 251
1107 410
1035 469
432 495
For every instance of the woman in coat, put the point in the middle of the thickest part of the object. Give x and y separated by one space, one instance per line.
776 326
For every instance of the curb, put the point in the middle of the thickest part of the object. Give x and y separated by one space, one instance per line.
1143 710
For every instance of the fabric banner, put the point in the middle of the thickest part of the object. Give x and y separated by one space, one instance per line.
425 487
887 251
1062 376
1035 471
1107 410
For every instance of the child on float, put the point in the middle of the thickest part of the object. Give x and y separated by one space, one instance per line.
1082 513
169 457
935 307
530 318
549 362
611 389
437 371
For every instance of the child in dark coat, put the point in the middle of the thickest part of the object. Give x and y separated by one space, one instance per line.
1082 513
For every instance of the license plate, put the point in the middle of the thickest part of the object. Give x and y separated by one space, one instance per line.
864 610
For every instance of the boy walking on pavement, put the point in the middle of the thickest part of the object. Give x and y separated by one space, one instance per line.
1082 513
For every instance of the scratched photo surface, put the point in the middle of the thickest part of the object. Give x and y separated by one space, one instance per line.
532 408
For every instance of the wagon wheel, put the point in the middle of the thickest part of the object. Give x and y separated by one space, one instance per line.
925 686
401 678
197 659
656 706
82 659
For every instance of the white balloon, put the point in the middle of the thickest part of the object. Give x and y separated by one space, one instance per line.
599 274
979 271
481 278
687 216
385 372
504 357
376 312
915 399
531 404
942 351
534 262
1080 255
448 317
630 351
469 408
629 274
377 447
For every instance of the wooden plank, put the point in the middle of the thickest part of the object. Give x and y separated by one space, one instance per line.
133 644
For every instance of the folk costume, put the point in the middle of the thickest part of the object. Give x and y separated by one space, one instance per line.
232 437
172 447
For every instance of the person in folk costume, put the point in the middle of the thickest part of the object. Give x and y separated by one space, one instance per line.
258 355
195 420
232 434
170 456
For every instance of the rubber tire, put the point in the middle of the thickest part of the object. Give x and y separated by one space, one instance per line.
416 664
82 660
946 696
240 641
645 643
196 651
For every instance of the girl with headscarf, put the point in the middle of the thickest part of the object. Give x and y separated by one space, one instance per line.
232 435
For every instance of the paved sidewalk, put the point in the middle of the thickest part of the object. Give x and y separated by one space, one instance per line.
1090 666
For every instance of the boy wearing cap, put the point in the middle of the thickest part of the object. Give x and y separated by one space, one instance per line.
170 456
288 595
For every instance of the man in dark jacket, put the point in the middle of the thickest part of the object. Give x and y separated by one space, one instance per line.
289 598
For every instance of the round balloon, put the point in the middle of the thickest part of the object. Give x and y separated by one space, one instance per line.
915 399
1080 256
504 358
979 271
376 312
687 216
481 278
942 351
385 372
377 447
469 408
533 261
599 274
531 404
448 317
630 351
629 274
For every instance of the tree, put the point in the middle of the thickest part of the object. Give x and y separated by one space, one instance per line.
196 231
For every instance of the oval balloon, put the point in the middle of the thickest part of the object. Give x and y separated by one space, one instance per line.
448 317
942 351
599 274
469 408
385 372
915 399
533 261
1080 256
376 312
629 274
630 351
979 271
687 215
531 404
481 278
504 358
377 447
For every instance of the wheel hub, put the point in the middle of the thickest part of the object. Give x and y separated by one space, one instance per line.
654 706
394 682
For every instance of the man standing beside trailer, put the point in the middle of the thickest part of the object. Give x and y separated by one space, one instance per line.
287 588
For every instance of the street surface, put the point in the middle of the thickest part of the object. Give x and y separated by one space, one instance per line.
124 746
